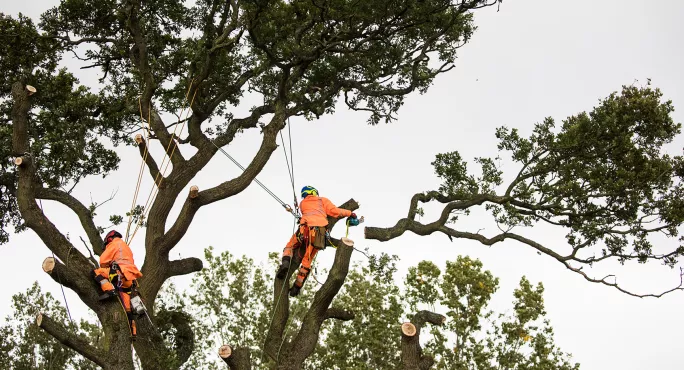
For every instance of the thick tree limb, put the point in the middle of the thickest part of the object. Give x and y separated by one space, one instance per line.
149 160
83 213
307 338
236 359
423 317
226 189
339 314
73 279
411 351
76 277
238 124
184 266
462 202
71 340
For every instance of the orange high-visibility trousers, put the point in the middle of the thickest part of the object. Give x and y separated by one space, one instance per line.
103 276
307 235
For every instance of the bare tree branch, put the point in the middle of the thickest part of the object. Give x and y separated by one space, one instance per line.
83 213
226 189
409 224
184 266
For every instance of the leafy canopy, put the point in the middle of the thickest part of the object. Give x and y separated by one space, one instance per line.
229 302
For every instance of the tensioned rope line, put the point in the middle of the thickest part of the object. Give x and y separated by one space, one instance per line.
295 213
290 162
256 180
143 160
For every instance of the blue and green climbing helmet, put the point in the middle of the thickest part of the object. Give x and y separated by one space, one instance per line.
309 190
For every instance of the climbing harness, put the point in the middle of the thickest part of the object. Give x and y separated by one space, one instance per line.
349 222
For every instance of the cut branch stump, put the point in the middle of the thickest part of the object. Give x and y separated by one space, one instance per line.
49 264
194 191
408 329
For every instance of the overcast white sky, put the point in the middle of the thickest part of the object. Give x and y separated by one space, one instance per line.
534 58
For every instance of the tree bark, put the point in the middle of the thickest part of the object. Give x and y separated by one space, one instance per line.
71 340
292 357
77 275
412 357
236 359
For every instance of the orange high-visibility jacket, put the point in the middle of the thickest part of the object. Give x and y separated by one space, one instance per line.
118 251
315 211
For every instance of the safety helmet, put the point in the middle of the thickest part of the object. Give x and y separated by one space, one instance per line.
309 190
110 236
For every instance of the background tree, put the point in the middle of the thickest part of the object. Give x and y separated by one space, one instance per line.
23 345
228 301
604 178
299 58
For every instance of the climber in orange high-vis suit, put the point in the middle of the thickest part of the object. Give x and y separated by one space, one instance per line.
118 267
311 234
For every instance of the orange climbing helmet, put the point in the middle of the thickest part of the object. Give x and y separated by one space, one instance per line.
110 236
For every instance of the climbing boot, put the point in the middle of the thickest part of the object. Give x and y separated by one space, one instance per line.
134 331
107 295
294 291
284 267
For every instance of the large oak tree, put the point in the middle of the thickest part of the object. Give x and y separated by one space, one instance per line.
301 58
602 176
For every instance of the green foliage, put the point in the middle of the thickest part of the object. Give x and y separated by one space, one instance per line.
24 346
68 121
523 340
603 175
305 55
472 337
229 302
366 341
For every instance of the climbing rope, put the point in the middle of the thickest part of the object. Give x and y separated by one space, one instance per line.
59 280
165 164
286 282
290 163
142 164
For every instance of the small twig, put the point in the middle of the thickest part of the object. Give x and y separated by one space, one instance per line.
92 257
